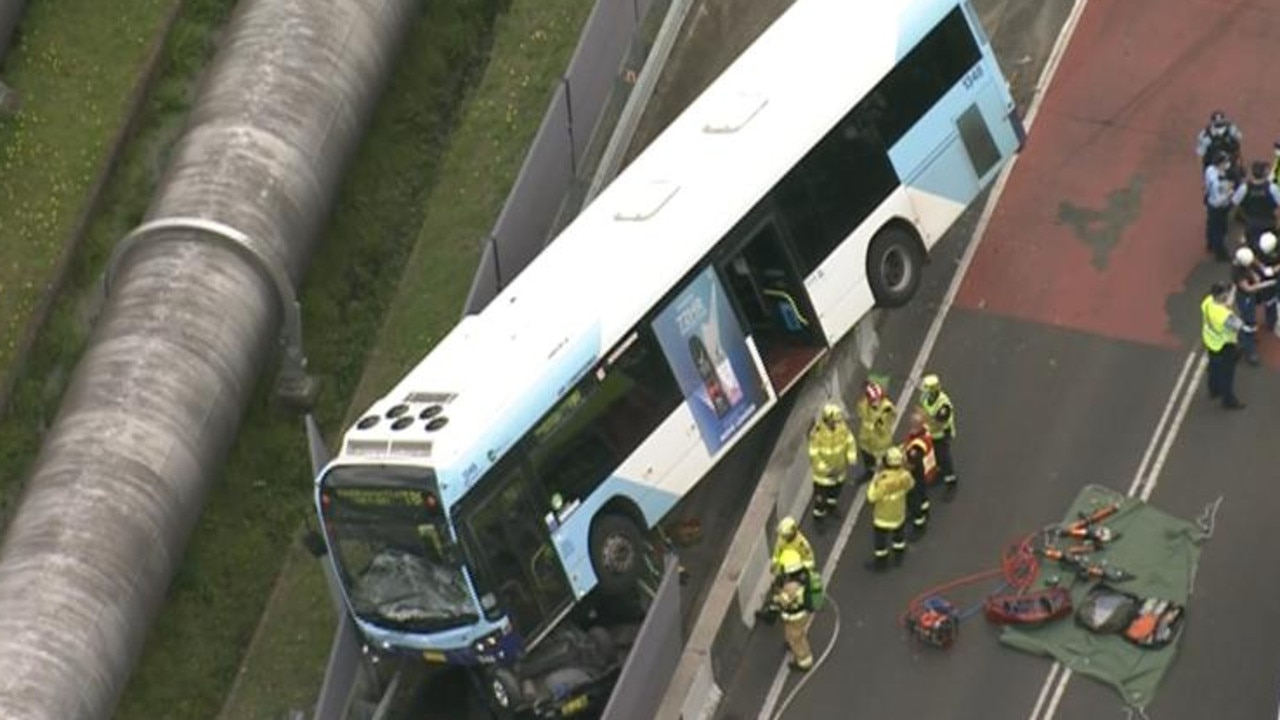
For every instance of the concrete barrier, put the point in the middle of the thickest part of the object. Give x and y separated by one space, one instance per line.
715 646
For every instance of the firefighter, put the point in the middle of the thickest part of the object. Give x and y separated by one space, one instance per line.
1269 267
832 452
887 494
923 464
790 539
940 417
876 418
789 597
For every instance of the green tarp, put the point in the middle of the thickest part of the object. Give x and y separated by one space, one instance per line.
1161 551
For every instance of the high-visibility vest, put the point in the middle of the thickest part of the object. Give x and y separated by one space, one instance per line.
921 441
931 408
1213 328
831 451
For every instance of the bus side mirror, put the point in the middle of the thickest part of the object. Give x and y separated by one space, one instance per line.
314 543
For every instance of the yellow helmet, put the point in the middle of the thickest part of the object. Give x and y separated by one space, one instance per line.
787 527
930 383
893 457
832 412
791 561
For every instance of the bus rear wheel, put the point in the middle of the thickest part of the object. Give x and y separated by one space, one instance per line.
894 265
617 548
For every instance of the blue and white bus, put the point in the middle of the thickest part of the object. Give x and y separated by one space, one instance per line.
522 463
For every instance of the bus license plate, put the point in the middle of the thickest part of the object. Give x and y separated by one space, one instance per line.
575 705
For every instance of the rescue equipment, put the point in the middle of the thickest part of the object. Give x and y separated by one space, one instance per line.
1033 608
934 621
1148 623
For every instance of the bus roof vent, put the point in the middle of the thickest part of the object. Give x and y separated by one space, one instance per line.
430 397
645 202
411 448
366 447
734 112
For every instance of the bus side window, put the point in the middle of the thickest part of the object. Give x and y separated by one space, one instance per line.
835 187
577 446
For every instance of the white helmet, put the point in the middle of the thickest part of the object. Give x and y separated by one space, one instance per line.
1244 256
1267 242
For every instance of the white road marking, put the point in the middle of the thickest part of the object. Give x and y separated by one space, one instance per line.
931 339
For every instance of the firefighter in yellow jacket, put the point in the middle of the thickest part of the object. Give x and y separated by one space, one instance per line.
790 539
876 418
793 608
887 494
940 415
832 452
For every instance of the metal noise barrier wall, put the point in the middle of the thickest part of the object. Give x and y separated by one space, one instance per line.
10 11
191 318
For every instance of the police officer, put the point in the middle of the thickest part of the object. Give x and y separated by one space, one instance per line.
1268 264
832 452
790 539
887 494
940 417
1218 332
923 464
1245 276
1257 199
1218 190
876 418
793 609
1219 136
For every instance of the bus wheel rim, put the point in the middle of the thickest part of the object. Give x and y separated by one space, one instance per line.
618 555
500 694
895 269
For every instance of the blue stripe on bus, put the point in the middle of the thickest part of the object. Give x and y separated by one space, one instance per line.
944 170
916 20
561 374
572 538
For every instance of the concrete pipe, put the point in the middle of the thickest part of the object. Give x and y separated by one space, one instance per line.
191 318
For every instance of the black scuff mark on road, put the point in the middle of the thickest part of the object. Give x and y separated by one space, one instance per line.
1101 229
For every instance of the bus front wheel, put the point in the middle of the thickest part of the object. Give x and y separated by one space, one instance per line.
617 548
894 265
504 691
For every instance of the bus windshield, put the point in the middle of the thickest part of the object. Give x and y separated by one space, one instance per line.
394 552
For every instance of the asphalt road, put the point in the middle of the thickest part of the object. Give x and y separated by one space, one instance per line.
1071 355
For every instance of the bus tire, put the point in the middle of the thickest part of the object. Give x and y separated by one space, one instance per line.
617 548
895 263
503 691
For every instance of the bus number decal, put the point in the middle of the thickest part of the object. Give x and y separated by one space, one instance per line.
973 76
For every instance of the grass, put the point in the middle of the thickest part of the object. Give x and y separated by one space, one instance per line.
532 47
532 43
75 63
405 205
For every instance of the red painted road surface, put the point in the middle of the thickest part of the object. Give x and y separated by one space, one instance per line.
1101 221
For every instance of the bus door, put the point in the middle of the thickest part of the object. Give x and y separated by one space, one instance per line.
772 300
518 559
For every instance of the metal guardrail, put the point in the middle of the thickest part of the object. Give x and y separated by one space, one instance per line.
559 157
653 658
600 75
